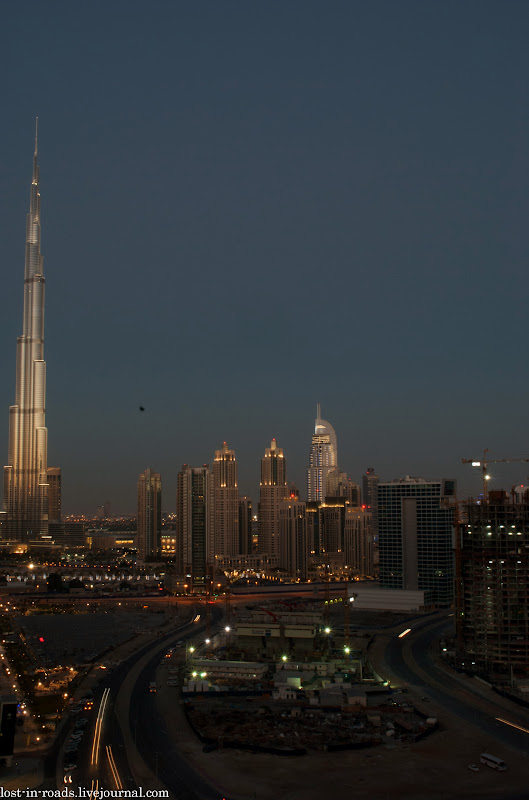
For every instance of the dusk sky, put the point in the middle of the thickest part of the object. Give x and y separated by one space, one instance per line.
249 208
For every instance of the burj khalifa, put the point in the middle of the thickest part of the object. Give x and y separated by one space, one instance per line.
25 476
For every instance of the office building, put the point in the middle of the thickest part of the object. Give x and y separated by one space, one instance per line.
54 494
323 459
273 491
194 523
492 594
415 531
149 520
225 503
25 476
293 542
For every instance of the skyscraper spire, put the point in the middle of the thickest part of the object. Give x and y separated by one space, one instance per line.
25 478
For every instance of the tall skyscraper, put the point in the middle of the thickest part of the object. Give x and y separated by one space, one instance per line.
323 458
25 478
149 519
225 503
415 531
273 491
194 523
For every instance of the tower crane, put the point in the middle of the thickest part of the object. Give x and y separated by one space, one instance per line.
484 464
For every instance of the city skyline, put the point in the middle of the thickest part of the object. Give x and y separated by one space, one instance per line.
343 221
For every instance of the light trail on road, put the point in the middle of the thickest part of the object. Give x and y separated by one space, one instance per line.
98 727
404 633
506 722
94 790
114 769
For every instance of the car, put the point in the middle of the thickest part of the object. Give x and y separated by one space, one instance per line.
473 767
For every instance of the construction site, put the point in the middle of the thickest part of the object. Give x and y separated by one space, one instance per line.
290 676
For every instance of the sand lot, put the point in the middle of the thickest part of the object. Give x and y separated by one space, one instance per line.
436 767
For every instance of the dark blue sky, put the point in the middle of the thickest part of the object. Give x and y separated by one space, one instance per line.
252 207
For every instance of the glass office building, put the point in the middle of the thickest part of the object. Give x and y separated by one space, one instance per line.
415 535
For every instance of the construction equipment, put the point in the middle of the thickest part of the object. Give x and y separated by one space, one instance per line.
484 464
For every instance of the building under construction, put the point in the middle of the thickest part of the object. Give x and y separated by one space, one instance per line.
493 585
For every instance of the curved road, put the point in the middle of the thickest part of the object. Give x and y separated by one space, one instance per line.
425 676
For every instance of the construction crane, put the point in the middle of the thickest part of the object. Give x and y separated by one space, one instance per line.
484 464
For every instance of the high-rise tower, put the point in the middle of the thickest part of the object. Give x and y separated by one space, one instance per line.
194 523
226 503
149 519
323 458
25 478
274 490
415 534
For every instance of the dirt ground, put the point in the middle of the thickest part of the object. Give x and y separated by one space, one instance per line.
436 767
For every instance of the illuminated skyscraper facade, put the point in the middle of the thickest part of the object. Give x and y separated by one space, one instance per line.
323 459
25 476
274 490
226 503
